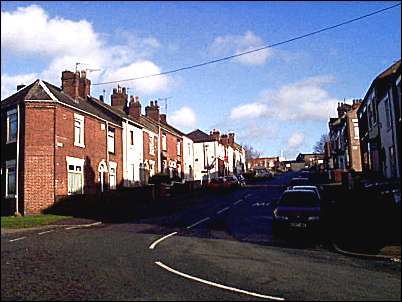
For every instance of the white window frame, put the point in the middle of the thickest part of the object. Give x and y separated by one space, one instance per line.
110 145
151 145
164 143
9 114
178 144
79 141
112 173
11 164
76 162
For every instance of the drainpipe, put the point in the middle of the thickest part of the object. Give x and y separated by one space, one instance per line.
107 153
159 148
17 213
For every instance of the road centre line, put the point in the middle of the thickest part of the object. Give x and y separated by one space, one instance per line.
45 232
160 264
236 202
16 239
223 210
152 246
198 222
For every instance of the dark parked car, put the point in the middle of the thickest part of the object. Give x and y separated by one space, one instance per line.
241 180
296 209
231 182
299 181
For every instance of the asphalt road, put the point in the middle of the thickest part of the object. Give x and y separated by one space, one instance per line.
220 249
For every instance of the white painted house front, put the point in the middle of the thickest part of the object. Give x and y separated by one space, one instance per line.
132 153
188 158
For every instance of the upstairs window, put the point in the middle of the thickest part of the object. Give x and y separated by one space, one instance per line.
11 126
178 147
78 130
110 140
131 138
387 113
151 145
164 142
356 128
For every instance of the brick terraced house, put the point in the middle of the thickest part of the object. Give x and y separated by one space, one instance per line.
56 142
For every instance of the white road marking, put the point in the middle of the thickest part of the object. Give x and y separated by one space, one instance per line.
45 232
236 202
198 222
217 284
16 239
223 210
152 246
83 225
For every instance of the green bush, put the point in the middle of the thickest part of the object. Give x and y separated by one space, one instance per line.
159 178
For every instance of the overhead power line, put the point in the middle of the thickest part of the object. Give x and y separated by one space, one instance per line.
254 50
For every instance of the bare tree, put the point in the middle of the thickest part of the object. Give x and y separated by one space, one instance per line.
319 146
251 153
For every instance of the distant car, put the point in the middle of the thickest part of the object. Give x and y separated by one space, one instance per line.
299 181
305 174
308 188
296 209
262 173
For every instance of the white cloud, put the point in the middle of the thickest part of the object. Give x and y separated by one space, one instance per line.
9 83
249 111
138 69
184 117
295 141
30 31
305 100
235 44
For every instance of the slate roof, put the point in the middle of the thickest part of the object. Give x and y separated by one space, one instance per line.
198 136
33 91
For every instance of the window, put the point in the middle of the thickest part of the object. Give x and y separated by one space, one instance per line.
112 176
178 147
387 113
11 126
356 128
164 142
131 138
10 178
75 179
110 140
78 130
151 145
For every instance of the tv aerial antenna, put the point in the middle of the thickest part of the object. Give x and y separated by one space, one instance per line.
166 102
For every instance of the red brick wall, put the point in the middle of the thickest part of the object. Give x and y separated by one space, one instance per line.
93 153
38 157
171 152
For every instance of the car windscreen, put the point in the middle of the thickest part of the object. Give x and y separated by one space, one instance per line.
299 199
300 182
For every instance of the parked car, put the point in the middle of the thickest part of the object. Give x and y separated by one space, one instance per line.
299 181
231 182
216 183
242 180
262 173
308 188
296 209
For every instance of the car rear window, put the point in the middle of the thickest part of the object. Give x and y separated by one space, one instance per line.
299 199
300 182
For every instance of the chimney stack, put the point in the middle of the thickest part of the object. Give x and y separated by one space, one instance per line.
119 98
224 139
215 134
101 98
163 118
152 111
134 109
231 138
75 84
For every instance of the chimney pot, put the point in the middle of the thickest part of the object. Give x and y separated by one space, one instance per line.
20 86
101 98
152 103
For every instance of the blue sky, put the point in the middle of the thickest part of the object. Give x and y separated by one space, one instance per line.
278 99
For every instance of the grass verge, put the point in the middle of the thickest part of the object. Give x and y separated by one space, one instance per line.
15 222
